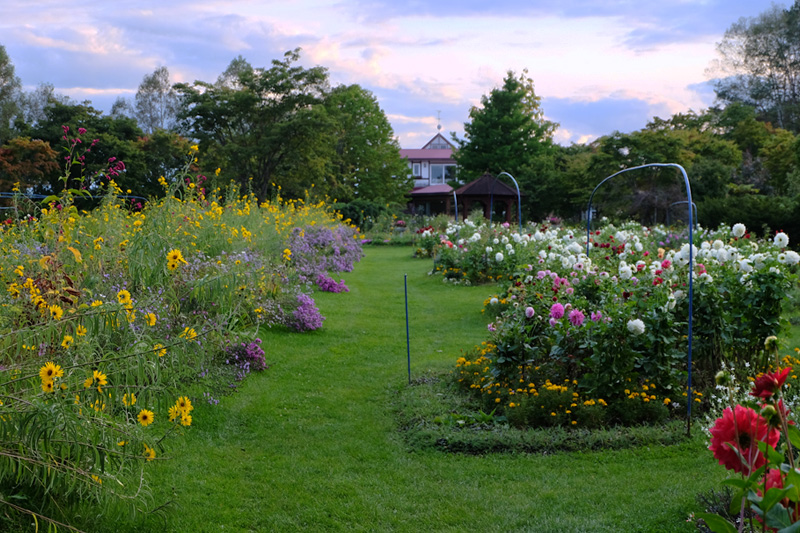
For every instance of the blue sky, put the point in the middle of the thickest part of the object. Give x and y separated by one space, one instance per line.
599 66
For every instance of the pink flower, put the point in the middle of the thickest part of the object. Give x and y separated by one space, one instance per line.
491 327
576 317
665 264
556 311
597 316
734 439
553 322
529 312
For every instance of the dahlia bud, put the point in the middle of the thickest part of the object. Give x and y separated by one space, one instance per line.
722 378
771 343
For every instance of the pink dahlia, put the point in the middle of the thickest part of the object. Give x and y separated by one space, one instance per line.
767 384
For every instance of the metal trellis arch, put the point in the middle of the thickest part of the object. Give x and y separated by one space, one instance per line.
690 204
519 203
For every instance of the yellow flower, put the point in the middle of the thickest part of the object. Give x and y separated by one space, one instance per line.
80 331
174 412
56 312
67 342
287 254
20 270
122 443
97 479
188 333
150 319
160 350
184 405
129 400
47 385
175 256
101 378
145 417
124 297
97 303
50 371
149 453
186 419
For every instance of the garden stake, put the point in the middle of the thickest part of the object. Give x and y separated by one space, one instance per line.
690 204
408 339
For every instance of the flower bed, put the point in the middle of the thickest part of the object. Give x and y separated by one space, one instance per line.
113 322
611 325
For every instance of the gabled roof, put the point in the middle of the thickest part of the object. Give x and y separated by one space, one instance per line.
438 139
483 187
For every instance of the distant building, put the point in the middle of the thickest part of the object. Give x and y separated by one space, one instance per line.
433 164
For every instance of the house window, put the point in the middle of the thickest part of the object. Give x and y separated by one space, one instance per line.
442 174
415 170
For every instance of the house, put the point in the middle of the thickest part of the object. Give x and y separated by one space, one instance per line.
433 164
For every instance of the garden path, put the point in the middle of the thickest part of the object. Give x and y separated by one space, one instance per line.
311 444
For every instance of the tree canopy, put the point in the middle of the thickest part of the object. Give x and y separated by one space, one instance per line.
509 133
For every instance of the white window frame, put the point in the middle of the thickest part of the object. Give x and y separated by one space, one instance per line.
416 170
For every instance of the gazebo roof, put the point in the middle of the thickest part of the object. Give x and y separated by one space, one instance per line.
483 187
432 190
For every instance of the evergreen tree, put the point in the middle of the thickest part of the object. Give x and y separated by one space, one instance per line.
509 133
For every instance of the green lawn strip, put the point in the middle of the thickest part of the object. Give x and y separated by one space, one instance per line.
313 443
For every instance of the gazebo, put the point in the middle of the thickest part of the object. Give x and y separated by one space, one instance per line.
432 200
481 192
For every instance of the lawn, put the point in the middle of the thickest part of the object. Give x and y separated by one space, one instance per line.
312 443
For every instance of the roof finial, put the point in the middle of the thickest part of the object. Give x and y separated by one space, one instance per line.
439 119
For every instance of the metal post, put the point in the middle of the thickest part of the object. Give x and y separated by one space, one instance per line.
408 337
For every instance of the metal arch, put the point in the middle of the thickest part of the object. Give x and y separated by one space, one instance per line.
519 200
455 203
690 204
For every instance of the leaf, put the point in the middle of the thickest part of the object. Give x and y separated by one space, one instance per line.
778 516
794 436
716 523
773 456
76 253
773 496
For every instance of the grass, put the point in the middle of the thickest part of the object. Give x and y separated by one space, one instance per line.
313 443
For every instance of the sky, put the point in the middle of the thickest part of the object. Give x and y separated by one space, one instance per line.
599 66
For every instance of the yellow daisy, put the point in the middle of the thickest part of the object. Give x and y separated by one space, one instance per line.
145 417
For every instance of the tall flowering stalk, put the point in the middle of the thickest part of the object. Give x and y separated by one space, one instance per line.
744 440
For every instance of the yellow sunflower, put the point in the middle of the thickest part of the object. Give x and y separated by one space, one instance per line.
145 417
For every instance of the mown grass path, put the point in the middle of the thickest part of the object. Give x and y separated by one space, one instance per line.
311 444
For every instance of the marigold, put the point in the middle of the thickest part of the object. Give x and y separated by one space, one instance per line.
735 437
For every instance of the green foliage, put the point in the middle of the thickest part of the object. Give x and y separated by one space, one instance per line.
510 134
361 212
366 163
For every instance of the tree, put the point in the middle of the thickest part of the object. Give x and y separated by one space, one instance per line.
9 95
509 133
759 65
26 162
34 103
366 160
122 107
268 127
156 102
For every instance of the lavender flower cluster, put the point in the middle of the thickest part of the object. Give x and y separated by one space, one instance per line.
328 284
317 250
246 357
307 316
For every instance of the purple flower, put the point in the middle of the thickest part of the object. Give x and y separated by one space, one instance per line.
491 327
556 311
597 316
576 317
553 322
529 312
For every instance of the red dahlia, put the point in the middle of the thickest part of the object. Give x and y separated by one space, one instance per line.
742 432
766 384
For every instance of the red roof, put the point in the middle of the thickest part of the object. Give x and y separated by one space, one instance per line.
433 189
